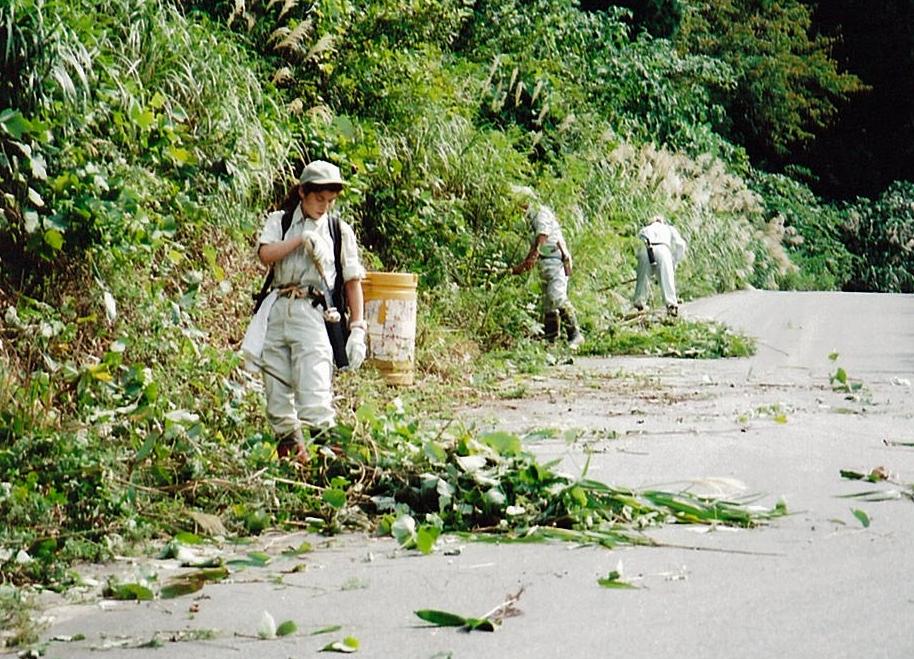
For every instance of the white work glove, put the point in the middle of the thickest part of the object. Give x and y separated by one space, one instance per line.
317 248
356 348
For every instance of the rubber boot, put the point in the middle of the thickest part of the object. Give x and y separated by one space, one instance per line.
292 447
570 321
551 325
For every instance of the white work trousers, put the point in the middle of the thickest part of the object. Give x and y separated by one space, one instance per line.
298 367
554 282
663 269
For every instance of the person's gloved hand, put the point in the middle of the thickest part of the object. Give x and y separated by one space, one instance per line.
355 347
314 245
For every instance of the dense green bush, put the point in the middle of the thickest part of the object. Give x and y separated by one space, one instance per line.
145 145
812 233
880 233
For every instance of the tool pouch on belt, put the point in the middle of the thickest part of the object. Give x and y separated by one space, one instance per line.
650 252
338 336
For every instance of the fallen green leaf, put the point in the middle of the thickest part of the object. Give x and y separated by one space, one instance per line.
348 645
480 624
254 559
131 591
862 516
286 628
441 618
426 538
303 548
177 588
612 580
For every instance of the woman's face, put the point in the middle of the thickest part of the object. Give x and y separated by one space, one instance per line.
316 203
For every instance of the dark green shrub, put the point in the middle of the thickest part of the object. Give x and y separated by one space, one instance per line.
813 231
880 234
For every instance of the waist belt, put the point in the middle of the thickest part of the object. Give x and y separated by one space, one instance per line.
298 292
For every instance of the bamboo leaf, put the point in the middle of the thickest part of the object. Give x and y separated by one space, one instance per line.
441 618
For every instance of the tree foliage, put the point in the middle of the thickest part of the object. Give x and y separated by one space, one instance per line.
787 83
881 234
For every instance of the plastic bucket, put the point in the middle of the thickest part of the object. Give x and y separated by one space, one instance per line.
390 310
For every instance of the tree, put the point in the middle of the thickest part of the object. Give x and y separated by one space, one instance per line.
788 85
659 18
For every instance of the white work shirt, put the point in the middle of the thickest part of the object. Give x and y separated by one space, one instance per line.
298 266
543 222
659 233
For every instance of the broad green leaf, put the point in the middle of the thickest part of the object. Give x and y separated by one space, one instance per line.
404 530
336 498
131 591
285 628
54 238
862 516
181 156
148 444
210 574
188 538
99 372
303 548
426 538
348 645
254 559
504 443
441 618
435 453
14 124
145 119
179 587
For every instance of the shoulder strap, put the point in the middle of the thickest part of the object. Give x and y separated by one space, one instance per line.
288 212
268 282
339 290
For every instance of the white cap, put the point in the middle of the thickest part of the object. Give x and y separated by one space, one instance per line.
523 191
321 172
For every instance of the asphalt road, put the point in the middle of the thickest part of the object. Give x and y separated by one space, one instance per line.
817 583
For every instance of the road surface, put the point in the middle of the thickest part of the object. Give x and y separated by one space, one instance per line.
818 583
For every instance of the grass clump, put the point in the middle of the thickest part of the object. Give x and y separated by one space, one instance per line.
690 339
